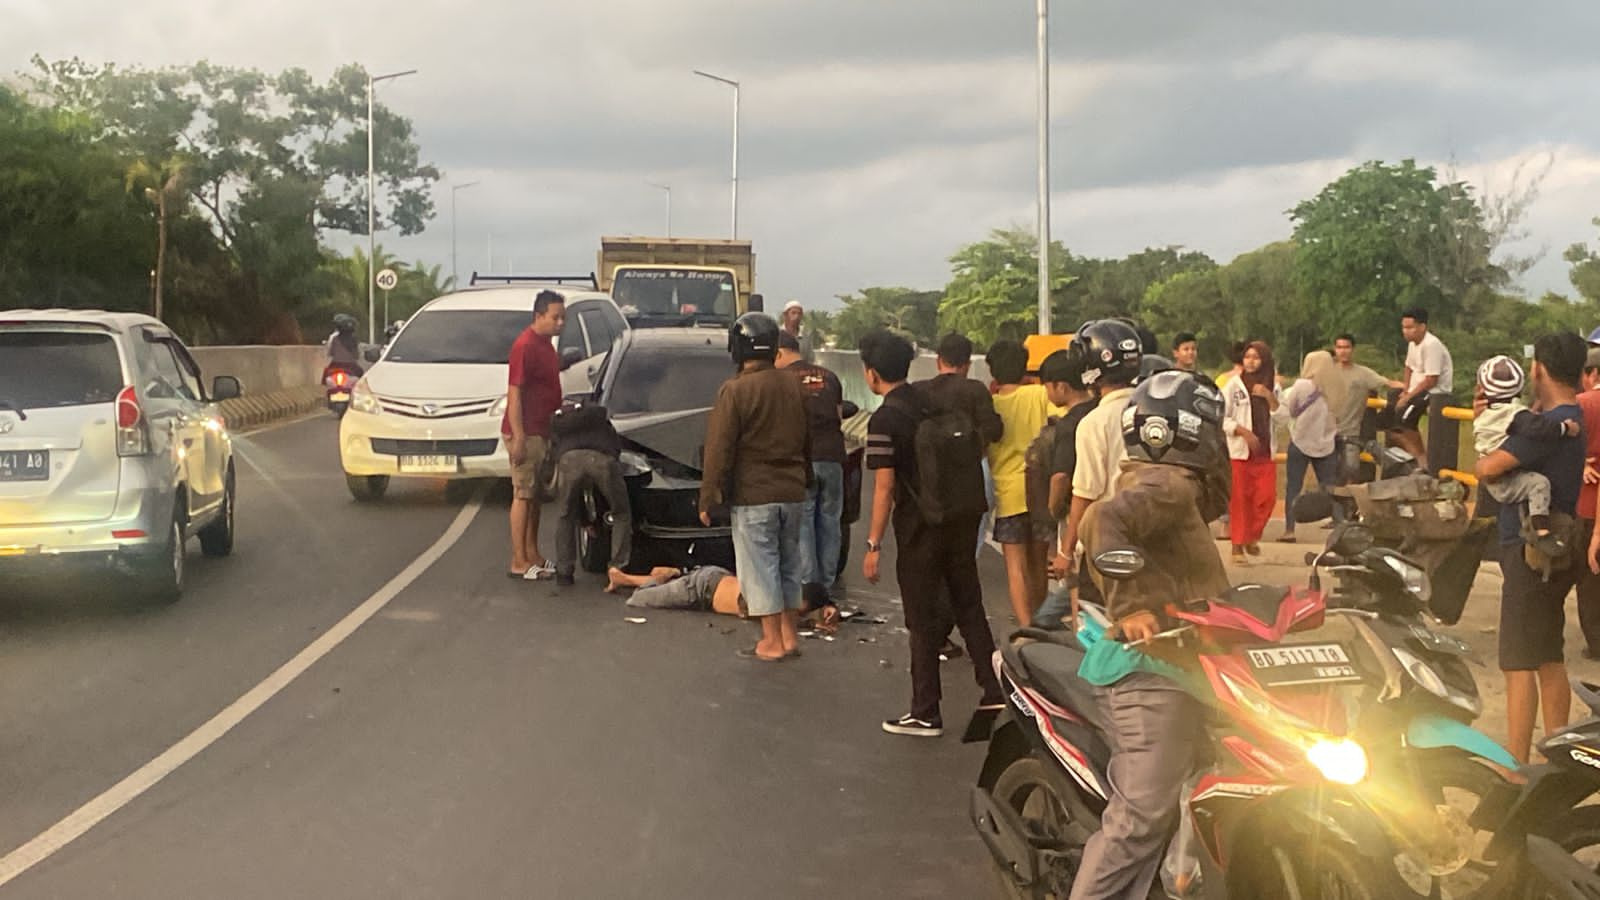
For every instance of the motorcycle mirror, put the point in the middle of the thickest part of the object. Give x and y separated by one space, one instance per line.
1119 564
1313 506
372 354
1311 557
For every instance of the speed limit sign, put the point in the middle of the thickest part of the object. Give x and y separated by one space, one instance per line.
387 279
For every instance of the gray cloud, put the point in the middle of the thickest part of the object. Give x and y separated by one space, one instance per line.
879 136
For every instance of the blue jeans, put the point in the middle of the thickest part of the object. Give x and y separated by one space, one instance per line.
766 550
1327 469
820 528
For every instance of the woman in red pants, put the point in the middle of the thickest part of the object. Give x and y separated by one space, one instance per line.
1249 401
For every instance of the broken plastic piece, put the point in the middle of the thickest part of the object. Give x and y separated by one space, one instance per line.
636 620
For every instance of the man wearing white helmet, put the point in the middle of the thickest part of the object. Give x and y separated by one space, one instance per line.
1500 383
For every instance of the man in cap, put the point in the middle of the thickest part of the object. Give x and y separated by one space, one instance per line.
793 315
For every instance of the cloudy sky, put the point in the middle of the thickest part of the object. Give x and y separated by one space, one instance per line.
880 135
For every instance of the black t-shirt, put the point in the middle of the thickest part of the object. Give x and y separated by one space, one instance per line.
891 444
1055 452
824 395
583 426
1560 460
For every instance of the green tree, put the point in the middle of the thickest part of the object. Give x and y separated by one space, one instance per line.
1385 237
1585 271
912 313
993 292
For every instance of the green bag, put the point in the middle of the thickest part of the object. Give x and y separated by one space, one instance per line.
1106 661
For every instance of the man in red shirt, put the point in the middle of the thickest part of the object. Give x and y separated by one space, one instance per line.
533 396
1589 577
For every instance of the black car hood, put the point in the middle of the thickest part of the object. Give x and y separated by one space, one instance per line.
677 436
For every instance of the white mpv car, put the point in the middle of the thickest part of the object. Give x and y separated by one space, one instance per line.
431 406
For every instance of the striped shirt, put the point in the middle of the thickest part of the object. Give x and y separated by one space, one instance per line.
891 444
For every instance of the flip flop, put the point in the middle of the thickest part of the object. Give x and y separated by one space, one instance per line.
518 576
750 653
794 654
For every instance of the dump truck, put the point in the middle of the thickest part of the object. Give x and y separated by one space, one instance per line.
673 278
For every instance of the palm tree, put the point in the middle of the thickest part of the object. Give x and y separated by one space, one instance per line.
162 185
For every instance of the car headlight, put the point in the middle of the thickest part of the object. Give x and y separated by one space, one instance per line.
1340 760
498 408
1424 674
1414 578
363 400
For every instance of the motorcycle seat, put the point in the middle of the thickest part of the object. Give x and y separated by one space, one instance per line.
1054 670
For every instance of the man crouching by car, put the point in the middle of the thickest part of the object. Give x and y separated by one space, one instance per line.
758 464
586 450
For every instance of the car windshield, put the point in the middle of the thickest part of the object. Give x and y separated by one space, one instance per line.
41 369
667 379
673 292
465 336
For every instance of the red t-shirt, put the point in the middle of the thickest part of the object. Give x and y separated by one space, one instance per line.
1589 402
536 369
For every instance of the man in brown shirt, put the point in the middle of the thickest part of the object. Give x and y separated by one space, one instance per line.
758 465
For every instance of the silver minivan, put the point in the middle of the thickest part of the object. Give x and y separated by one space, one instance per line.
112 450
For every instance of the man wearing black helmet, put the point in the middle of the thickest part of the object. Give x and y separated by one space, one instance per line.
1177 481
758 465
1113 353
344 348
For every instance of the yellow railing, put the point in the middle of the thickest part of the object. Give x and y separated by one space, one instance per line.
1455 413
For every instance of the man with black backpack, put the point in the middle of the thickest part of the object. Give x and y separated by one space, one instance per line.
929 482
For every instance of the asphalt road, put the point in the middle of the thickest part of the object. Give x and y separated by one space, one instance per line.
477 737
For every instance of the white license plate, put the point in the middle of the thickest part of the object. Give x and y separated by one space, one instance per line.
430 465
1299 655
339 398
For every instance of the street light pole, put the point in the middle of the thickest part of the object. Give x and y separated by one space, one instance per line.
455 281
735 85
668 189
1044 166
372 188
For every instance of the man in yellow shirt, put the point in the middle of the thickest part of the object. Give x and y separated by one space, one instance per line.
1025 544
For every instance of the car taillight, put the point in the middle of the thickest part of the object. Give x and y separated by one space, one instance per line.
132 437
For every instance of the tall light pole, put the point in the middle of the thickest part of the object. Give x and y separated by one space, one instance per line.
735 85
668 189
372 190
1044 166
454 189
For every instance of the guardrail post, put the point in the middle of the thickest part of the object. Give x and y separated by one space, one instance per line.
1444 435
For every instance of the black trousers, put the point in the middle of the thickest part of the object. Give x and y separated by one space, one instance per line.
932 560
1588 588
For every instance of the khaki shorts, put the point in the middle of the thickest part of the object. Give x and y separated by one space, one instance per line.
525 478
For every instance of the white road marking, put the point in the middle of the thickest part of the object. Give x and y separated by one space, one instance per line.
150 774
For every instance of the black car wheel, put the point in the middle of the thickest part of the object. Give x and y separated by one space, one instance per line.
216 539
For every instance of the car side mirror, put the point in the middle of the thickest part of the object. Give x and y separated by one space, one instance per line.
1119 564
758 303
570 357
372 354
226 387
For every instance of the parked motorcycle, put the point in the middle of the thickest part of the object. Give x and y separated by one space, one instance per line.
339 382
1309 788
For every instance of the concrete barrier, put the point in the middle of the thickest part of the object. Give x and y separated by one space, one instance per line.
279 382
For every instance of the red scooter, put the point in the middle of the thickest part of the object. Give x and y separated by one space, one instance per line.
1306 788
339 381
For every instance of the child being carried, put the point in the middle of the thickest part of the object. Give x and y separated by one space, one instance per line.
1500 380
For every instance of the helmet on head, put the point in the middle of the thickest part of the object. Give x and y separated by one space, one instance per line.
1151 363
1113 350
753 336
344 323
1174 418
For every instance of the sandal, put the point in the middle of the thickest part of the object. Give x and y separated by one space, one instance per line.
750 653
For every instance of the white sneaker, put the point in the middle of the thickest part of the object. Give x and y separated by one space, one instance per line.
540 573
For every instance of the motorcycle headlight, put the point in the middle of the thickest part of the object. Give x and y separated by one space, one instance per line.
1340 760
1415 580
498 409
1424 674
363 400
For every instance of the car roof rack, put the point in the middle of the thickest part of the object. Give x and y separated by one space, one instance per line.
590 279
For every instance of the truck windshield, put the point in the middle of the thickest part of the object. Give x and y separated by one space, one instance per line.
665 291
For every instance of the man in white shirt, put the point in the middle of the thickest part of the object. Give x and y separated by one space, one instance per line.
1428 374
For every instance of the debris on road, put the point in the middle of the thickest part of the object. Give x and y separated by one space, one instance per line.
636 620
